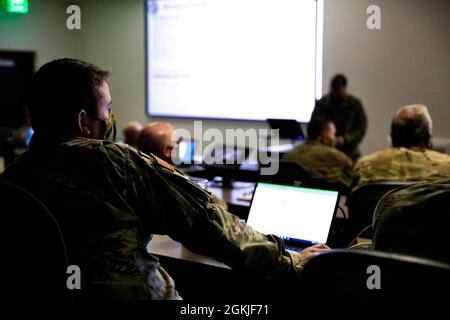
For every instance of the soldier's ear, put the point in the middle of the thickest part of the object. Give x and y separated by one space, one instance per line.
82 123
167 151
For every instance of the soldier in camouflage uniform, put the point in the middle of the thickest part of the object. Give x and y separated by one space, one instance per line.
319 156
410 158
409 217
131 131
347 113
109 199
157 138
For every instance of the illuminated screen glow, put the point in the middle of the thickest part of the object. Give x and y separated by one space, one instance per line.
293 213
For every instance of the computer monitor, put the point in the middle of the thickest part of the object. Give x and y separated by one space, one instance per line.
185 152
28 136
288 128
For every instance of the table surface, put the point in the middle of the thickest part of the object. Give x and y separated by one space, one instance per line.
240 190
236 194
165 246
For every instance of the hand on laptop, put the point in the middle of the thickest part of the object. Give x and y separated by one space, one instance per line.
312 251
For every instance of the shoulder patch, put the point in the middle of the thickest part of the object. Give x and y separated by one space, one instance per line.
164 164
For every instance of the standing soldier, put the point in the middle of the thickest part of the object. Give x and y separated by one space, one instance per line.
347 113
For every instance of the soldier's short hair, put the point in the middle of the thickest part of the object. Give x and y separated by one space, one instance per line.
60 89
411 126
338 81
316 127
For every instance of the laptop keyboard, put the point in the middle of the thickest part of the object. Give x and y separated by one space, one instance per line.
292 248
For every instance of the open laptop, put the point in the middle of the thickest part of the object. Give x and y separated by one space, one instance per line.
299 215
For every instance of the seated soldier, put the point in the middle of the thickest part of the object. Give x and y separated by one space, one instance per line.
410 158
109 198
157 138
131 132
319 156
415 220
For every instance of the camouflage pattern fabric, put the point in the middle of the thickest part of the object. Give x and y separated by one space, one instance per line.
415 220
219 202
349 117
109 199
402 164
325 163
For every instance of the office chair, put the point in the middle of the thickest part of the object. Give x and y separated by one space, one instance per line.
362 201
363 275
287 129
289 173
419 227
34 255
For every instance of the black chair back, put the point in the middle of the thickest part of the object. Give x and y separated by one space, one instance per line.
34 259
367 275
363 200
417 222
288 173
7 144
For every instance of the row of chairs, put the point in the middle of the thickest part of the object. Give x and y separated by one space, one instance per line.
368 275
34 244
363 200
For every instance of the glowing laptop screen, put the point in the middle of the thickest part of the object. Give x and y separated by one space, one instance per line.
293 213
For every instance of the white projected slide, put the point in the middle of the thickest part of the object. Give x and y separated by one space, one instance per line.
293 212
234 59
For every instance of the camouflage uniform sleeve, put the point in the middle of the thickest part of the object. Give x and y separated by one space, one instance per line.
357 132
219 202
168 203
318 109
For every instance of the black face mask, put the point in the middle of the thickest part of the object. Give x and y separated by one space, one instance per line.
108 130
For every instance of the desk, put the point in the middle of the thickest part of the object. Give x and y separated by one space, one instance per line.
197 277
247 172
241 208
232 197
166 247
281 149
217 280
201 278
